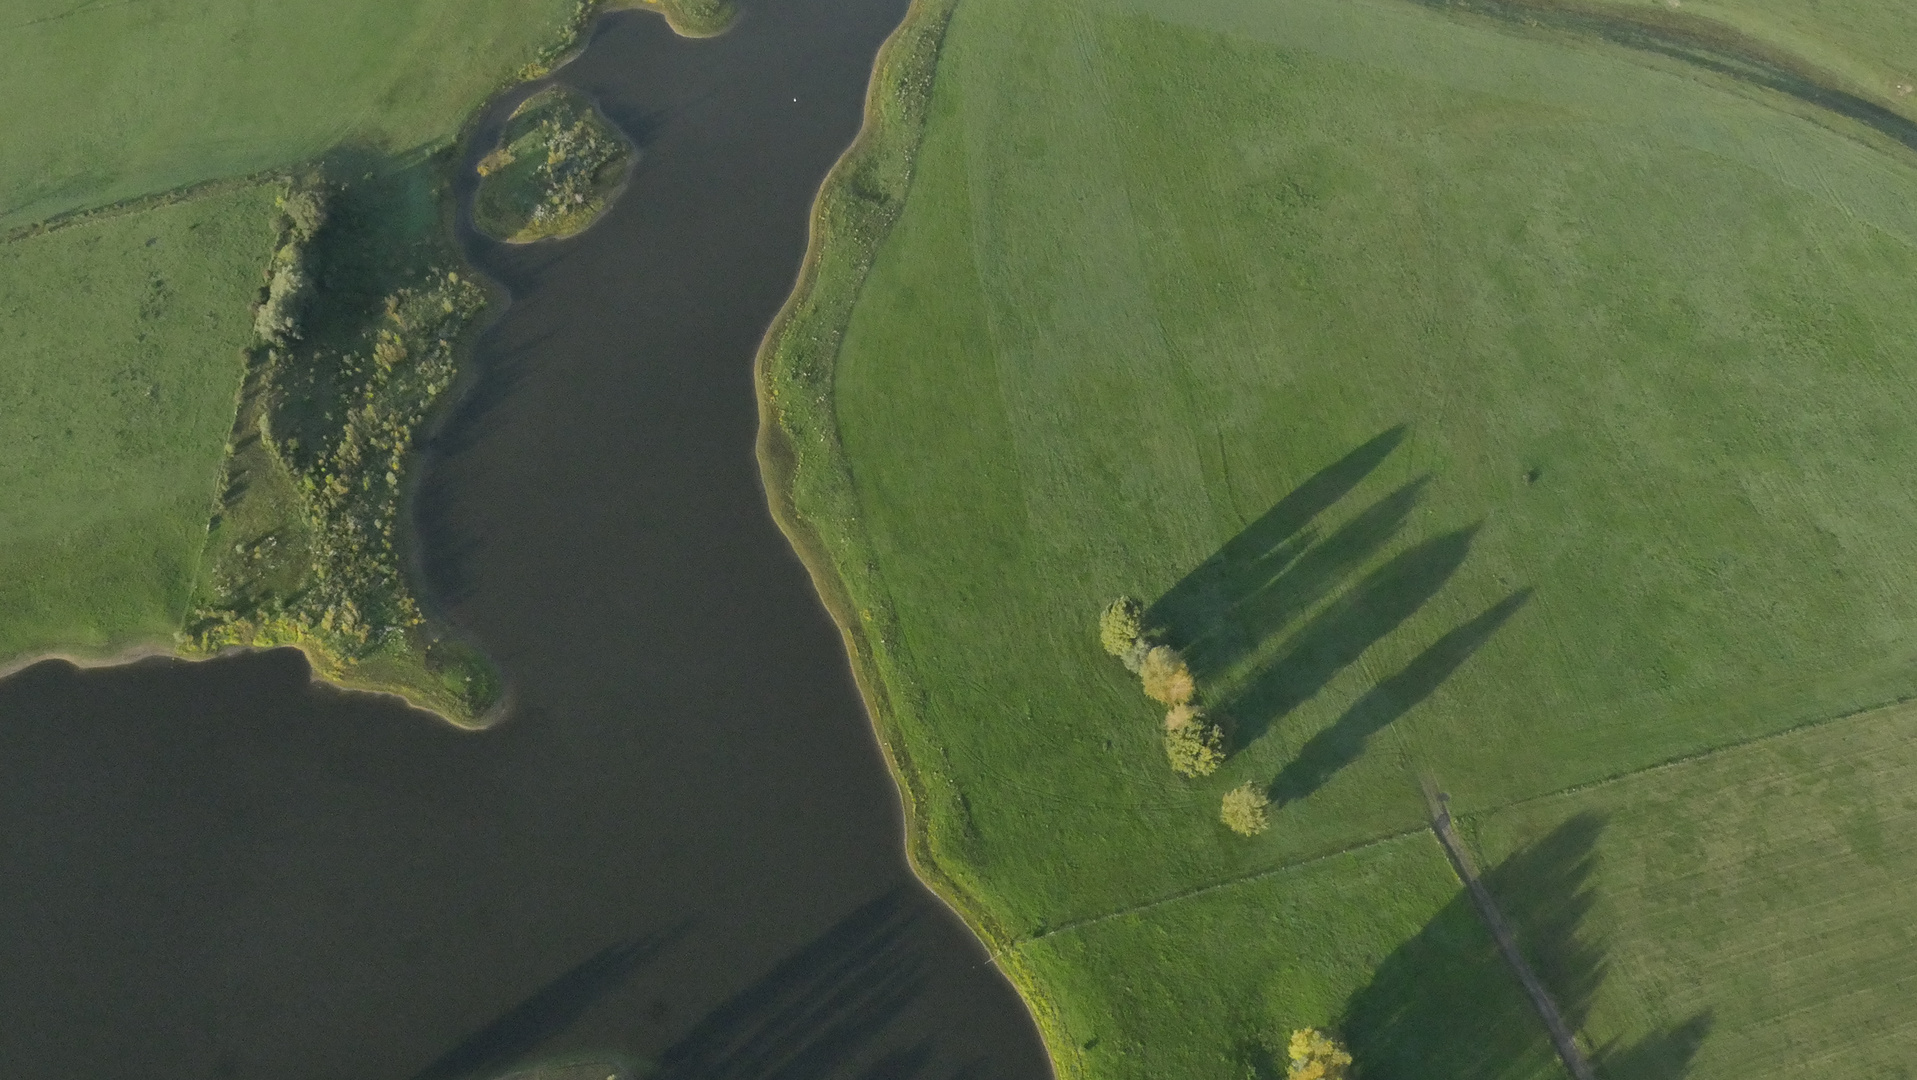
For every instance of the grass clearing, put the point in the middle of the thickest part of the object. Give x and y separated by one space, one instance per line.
1761 892
1464 398
122 342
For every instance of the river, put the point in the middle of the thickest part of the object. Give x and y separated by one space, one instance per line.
680 853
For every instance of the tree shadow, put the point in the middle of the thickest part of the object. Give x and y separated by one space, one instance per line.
1221 610
1661 1055
1445 1006
1340 744
814 1014
521 1030
1342 631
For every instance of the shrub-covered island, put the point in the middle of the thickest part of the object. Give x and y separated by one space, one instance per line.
557 167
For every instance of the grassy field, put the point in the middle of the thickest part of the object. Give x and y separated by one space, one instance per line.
1463 398
1761 892
109 101
121 339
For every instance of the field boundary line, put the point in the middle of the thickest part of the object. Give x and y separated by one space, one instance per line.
1093 920
1700 755
1507 942
140 204
1669 763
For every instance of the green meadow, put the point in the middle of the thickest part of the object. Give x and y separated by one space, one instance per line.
111 101
1465 398
1759 896
121 339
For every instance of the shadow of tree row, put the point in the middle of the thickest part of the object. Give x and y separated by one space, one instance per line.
1444 1006
1281 581
825 1012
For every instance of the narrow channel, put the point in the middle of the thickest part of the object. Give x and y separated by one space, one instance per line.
680 854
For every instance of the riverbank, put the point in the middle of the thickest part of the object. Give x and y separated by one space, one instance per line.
810 487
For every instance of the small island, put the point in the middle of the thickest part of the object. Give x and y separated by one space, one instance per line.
558 166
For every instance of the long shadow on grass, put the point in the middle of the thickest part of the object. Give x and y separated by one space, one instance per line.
1340 744
1341 632
1275 567
1444 1005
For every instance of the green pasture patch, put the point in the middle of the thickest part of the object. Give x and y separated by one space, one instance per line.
107 101
121 340
557 167
1379 945
1750 912
1461 399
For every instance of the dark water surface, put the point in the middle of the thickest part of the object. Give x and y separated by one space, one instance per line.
681 846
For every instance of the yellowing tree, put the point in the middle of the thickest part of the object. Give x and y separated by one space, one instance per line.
1166 678
1317 1056
1246 811
1120 625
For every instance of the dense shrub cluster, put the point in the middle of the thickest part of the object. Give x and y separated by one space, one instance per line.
352 486
288 285
1194 744
557 165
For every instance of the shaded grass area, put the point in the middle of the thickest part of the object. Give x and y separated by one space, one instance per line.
1381 944
1465 398
1761 892
122 341
309 547
109 101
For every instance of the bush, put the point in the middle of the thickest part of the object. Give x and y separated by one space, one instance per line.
1246 810
305 211
277 320
1195 746
1120 628
1167 680
1317 1056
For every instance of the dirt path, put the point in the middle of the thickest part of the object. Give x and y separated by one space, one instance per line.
1574 1060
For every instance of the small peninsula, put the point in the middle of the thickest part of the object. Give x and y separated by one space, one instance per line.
557 167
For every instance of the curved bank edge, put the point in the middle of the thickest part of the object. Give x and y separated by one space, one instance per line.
810 488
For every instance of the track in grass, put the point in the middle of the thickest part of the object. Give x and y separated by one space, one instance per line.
1761 892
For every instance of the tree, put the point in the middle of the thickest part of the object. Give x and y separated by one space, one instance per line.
1315 1055
1120 627
1195 745
1246 811
1167 680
